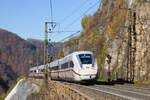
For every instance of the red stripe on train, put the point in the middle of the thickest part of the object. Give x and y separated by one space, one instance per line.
75 73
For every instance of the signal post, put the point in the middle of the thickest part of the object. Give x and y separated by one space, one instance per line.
49 26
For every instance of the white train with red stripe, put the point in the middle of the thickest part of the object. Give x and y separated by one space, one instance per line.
77 66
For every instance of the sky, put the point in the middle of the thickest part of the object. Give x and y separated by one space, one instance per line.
26 18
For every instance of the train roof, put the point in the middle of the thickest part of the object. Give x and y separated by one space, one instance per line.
74 53
35 67
68 56
81 52
41 67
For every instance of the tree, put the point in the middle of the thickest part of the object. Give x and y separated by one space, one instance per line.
4 56
60 54
86 21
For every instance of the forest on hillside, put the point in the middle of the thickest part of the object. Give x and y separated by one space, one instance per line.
17 56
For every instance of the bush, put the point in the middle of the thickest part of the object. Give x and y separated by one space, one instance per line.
140 82
2 97
19 78
101 79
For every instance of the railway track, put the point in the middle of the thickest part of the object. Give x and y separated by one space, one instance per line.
132 87
133 95
113 92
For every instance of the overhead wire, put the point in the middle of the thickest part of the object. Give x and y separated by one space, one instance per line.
80 17
71 14
74 11
74 21
70 36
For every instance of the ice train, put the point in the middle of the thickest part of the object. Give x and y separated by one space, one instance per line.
77 66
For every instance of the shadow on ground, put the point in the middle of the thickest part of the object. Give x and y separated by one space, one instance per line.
113 82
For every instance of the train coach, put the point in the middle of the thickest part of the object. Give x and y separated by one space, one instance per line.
37 71
77 66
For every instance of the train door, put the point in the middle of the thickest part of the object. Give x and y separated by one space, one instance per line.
71 70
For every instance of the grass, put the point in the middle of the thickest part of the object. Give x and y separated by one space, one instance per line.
24 81
4 95
36 93
19 78
42 85
102 80
40 89
142 82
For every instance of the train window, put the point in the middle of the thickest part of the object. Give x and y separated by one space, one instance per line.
55 68
64 66
85 58
71 64
42 70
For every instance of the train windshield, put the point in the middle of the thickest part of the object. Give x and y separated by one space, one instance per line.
85 58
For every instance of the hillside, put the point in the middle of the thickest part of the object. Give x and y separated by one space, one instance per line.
18 55
120 33
16 52
7 77
53 47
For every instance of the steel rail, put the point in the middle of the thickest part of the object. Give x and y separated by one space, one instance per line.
112 91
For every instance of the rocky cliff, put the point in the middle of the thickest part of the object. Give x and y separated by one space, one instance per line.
142 67
118 30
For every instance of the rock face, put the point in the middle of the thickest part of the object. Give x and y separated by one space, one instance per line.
143 41
21 91
121 33
103 37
